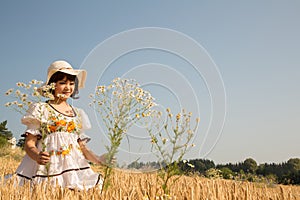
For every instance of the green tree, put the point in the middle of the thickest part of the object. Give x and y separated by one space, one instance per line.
293 171
293 164
249 165
201 165
21 142
226 173
4 132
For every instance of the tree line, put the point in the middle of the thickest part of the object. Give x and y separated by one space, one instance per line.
282 173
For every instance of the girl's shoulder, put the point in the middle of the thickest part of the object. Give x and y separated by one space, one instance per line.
37 106
34 114
77 109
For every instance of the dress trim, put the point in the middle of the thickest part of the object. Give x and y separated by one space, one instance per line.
74 115
46 176
23 176
99 177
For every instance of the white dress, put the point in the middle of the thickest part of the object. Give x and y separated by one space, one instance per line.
68 166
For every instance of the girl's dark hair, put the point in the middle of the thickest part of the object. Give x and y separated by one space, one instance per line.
58 76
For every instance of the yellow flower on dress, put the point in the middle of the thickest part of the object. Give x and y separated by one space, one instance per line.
61 123
71 126
51 129
65 152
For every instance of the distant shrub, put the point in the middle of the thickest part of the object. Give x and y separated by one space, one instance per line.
3 142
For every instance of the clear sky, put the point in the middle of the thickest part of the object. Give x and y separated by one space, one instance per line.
253 45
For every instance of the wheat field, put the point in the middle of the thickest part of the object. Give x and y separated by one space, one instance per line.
146 186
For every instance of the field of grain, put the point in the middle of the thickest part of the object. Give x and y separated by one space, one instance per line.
137 185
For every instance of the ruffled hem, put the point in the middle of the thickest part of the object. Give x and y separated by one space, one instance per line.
82 179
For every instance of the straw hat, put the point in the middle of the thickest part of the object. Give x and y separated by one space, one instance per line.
65 67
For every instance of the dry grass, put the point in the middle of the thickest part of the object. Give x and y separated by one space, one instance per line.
10 160
137 185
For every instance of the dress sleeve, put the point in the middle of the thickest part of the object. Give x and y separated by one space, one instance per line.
32 119
85 124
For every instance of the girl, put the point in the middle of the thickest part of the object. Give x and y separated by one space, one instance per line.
55 140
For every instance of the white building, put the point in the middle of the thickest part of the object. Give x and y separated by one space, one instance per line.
13 142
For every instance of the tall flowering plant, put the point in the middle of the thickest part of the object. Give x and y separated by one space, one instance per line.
27 94
120 105
171 139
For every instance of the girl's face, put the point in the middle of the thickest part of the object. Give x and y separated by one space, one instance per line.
64 88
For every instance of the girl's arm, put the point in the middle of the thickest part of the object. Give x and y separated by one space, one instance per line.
89 155
42 158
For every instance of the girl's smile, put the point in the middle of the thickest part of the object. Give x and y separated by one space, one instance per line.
64 88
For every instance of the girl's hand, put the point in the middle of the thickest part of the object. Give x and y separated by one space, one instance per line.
43 158
89 155
103 160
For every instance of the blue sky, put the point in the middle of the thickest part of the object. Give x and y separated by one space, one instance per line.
254 45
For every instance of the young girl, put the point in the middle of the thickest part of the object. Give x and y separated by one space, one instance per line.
55 140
